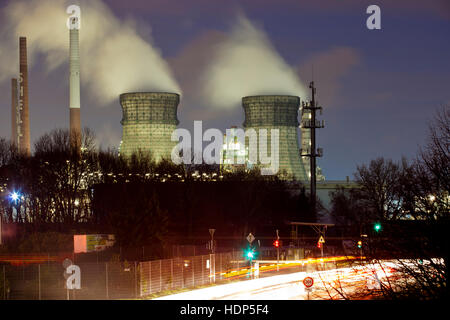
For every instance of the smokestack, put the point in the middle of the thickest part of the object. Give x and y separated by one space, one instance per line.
14 111
24 134
74 82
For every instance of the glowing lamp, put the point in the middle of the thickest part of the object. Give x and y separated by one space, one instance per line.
377 227
14 196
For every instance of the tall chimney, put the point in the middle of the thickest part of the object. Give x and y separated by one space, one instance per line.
14 111
24 135
75 122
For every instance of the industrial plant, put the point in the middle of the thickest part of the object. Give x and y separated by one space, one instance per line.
150 118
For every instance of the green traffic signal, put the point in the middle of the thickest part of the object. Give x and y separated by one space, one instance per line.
377 227
250 253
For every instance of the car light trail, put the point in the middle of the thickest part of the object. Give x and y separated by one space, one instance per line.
289 286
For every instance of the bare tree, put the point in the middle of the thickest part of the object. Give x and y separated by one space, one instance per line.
378 185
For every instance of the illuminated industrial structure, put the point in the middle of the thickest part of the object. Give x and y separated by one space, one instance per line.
234 153
149 118
305 139
306 145
277 112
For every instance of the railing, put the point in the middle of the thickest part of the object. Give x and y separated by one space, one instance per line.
115 280
99 281
188 272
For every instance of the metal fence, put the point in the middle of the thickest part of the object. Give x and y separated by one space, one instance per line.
187 272
114 280
126 280
109 280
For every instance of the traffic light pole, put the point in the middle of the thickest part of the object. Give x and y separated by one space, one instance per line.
1 226
278 252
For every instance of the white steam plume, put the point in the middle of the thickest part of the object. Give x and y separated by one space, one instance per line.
114 57
247 64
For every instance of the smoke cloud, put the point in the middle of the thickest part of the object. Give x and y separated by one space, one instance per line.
245 64
114 57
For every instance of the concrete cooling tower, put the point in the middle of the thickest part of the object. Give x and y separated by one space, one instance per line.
277 112
149 118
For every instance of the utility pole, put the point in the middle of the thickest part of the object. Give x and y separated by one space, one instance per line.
211 232
313 124
1 227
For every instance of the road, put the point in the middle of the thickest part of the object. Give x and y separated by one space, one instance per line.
327 285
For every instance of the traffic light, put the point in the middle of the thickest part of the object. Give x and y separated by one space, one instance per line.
250 254
377 227
359 244
319 245
276 243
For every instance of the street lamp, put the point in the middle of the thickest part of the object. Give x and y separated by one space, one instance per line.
14 196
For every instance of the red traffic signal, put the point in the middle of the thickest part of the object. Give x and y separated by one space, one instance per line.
276 243
319 245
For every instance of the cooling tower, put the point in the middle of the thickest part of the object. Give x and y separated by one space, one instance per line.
14 111
24 122
149 118
277 112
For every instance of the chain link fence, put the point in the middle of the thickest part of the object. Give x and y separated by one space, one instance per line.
115 280
99 281
188 272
